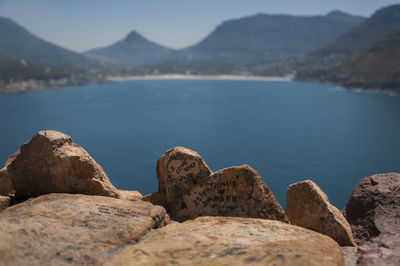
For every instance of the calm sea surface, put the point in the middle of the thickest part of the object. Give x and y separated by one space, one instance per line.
287 131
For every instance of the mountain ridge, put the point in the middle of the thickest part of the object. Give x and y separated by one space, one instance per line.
233 41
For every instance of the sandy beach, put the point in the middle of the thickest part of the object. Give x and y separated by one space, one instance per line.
199 77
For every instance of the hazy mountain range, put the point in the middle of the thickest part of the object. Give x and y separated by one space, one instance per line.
359 57
316 47
251 39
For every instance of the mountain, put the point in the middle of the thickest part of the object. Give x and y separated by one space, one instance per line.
134 50
270 38
375 68
381 24
18 43
235 45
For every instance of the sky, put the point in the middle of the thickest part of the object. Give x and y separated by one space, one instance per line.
81 25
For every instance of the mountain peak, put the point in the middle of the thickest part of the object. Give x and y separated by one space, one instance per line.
134 36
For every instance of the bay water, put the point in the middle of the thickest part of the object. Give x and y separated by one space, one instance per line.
287 131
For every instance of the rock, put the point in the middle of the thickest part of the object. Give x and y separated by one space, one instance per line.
189 189
156 198
350 256
178 170
373 212
235 191
5 182
308 206
381 250
231 241
4 202
52 163
60 229
130 195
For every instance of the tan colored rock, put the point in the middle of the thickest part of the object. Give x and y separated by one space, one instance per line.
236 191
52 163
4 202
231 241
5 182
188 189
308 206
156 198
178 170
130 195
72 229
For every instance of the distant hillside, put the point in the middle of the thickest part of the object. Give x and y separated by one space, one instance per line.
134 50
17 42
376 68
234 46
270 38
12 69
381 24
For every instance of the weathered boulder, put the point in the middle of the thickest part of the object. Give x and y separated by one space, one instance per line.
60 229
4 202
308 206
189 189
52 163
236 191
5 182
178 170
231 241
373 212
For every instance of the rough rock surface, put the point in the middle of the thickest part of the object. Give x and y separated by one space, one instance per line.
350 256
5 182
232 241
130 195
52 163
190 189
178 170
373 212
308 206
60 229
236 191
4 202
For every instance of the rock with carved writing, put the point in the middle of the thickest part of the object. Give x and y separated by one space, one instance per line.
71 229
308 206
236 191
231 241
189 189
52 163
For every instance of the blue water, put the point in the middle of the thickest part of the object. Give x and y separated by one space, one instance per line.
287 131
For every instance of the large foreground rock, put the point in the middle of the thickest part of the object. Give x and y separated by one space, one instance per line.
373 212
189 189
232 241
308 206
59 229
52 163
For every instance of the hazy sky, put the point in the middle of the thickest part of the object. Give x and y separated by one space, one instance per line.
84 24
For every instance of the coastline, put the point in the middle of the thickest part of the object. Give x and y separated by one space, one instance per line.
200 77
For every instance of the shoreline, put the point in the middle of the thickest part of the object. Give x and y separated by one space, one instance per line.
286 78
